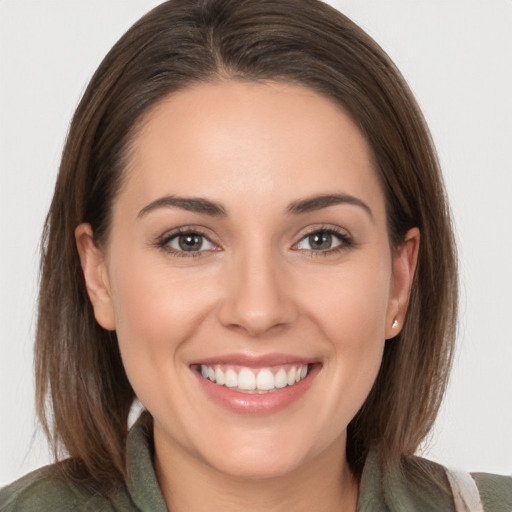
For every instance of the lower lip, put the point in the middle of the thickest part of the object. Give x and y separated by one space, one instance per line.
257 403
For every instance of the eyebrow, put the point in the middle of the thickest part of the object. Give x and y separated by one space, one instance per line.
214 209
312 204
195 204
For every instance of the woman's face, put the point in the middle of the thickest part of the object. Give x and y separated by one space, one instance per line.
249 276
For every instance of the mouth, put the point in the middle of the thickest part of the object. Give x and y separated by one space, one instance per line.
255 385
251 380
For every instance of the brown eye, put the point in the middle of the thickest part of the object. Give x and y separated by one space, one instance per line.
320 241
323 240
189 242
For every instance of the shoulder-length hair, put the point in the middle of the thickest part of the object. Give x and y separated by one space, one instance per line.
83 394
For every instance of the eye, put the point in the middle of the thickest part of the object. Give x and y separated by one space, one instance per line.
323 240
190 241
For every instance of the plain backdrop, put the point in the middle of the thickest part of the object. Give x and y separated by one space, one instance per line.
457 57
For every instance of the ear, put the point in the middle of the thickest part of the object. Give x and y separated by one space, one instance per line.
404 266
96 278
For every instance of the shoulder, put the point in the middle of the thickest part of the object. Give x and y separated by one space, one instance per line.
46 490
495 491
476 491
413 484
420 484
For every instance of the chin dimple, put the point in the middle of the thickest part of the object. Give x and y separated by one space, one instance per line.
254 380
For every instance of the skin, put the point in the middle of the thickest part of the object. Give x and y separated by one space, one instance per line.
256 287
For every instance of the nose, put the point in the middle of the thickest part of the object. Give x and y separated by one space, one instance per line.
258 296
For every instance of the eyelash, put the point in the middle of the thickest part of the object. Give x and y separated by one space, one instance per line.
164 241
346 242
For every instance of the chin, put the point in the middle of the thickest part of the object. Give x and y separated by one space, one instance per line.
269 450
257 465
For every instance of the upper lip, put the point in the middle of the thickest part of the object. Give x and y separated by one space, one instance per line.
254 361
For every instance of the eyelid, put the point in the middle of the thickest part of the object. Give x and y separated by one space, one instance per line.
162 242
176 238
345 238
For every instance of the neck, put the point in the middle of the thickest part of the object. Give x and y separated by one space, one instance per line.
325 483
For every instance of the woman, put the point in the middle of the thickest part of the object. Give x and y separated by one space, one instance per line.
249 234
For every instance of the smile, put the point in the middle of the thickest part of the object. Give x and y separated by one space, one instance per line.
254 380
255 385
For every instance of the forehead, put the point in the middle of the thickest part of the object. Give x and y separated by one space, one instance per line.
268 142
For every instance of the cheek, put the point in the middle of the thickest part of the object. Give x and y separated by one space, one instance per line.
156 309
349 307
350 303
156 312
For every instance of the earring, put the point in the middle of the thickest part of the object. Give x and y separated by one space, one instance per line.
395 324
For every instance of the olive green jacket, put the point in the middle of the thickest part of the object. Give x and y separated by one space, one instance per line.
381 491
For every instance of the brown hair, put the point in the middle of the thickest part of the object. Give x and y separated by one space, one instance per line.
83 395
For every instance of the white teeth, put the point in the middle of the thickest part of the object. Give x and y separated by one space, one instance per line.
248 379
291 376
265 380
231 379
219 376
281 379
